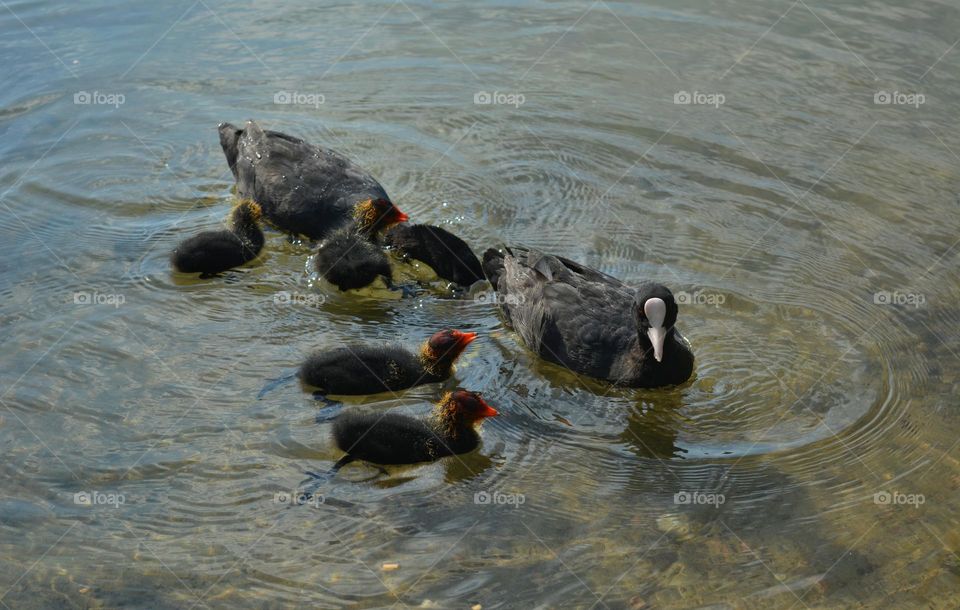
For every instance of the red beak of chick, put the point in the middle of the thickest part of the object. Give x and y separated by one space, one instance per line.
486 410
399 216
464 339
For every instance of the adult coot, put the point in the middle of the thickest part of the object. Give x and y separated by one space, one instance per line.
391 438
211 252
303 189
588 321
449 256
367 369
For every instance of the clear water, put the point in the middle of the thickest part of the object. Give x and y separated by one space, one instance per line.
784 213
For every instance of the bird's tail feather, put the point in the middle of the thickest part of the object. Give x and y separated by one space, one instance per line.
229 139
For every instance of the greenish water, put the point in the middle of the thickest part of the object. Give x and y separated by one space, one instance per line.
810 225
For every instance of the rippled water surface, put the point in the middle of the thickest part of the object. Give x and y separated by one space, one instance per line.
803 206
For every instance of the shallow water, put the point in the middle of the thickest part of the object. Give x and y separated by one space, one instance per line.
810 230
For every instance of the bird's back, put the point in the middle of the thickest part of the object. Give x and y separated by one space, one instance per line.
449 256
302 188
567 313
349 260
211 252
388 438
363 369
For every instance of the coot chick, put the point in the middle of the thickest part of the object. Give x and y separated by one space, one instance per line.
351 257
211 252
449 256
588 321
303 189
365 369
392 438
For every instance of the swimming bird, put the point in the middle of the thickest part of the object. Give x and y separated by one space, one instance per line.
588 321
391 438
211 252
369 369
303 189
352 257
449 256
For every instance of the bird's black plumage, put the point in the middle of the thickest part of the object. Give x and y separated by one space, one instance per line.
303 189
364 369
211 252
369 369
585 320
349 260
391 438
449 256
397 439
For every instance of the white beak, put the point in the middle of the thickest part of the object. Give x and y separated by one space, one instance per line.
657 334
656 311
